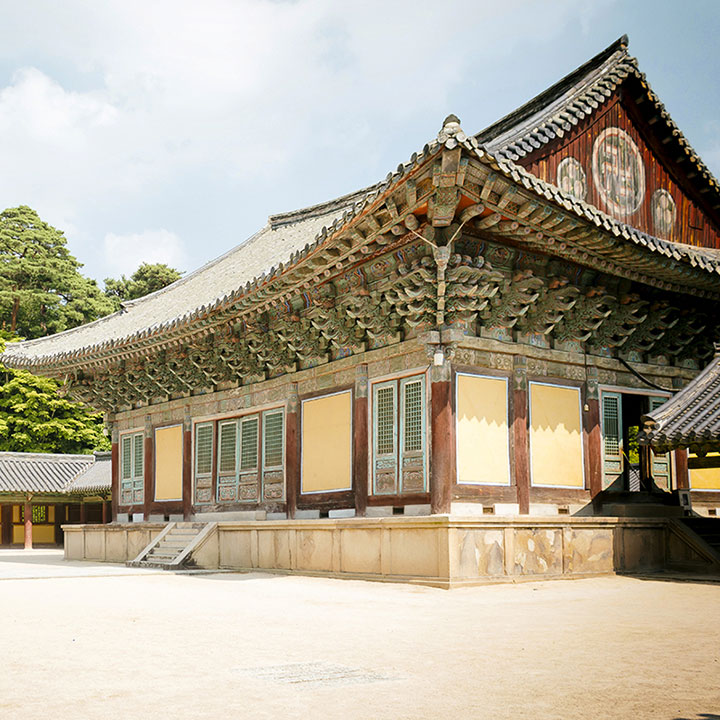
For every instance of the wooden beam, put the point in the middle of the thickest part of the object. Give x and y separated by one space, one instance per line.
360 440
292 451
114 474
442 460
521 450
148 494
187 499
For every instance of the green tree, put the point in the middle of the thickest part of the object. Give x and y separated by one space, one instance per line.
41 288
34 417
148 278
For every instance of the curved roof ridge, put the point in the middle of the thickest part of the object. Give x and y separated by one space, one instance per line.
323 208
606 59
55 457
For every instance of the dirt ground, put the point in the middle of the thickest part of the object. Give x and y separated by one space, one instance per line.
91 641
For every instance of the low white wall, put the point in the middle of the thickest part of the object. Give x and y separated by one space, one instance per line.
436 550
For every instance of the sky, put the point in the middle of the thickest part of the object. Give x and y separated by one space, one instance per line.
168 130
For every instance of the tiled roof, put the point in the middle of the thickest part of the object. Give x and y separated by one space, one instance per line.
556 110
689 419
287 239
49 473
96 478
195 293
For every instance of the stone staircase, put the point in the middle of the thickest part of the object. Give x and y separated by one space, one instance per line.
707 528
627 503
694 545
172 549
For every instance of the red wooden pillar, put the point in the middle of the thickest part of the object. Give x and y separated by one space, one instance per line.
360 440
114 472
442 429
521 446
28 524
104 506
682 474
187 499
148 469
593 432
83 514
292 451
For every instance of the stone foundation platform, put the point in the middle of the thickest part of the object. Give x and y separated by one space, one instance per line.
442 551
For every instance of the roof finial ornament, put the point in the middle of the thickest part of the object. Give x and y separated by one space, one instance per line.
451 129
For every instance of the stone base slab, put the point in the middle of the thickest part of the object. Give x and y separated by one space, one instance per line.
443 551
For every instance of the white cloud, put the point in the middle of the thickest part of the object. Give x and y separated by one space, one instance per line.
124 253
129 114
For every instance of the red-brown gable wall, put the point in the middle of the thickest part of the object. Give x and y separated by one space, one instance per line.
692 226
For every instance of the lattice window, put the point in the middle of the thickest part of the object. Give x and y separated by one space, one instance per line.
132 458
413 416
126 457
611 425
385 420
228 448
273 439
203 449
399 462
39 514
249 444
138 455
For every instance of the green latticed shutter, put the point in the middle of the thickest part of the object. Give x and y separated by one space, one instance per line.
249 444
228 448
273 441
661 468
203 462
412 431
203 449
385 438
612 438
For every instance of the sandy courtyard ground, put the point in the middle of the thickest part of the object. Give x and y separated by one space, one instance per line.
93 641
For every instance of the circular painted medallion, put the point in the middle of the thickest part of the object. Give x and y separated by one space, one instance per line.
571 178
663 212
618 171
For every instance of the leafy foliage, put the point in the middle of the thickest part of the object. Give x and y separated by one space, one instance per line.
34 417
41 288
148 278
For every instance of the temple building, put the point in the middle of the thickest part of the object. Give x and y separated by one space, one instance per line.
41 492
479 333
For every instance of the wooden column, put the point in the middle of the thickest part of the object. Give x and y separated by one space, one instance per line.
114 471
83 514
187 499
593 432
28 524
360 440
682 474
521 447
104 512
442 428
292 451
148 493
6 524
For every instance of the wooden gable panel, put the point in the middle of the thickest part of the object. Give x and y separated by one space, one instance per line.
606 161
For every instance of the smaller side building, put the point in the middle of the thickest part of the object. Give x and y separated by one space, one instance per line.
40 492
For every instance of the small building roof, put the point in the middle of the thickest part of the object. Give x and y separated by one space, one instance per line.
689 419
96 478
54 473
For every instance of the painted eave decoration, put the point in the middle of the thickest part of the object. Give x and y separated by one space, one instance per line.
456 181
